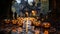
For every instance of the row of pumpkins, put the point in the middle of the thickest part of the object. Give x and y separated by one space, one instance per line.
34 21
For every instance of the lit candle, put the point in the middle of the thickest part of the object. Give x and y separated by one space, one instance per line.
27 26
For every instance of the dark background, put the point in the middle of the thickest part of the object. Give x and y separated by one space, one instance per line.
54 5
5 8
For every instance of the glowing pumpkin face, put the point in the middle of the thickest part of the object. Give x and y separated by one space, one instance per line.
7 21
14 21
46 25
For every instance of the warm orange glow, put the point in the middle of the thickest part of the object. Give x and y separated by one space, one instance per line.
7 21
32 19
27 13
33 12
46 32
19 21
14 21
46 25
